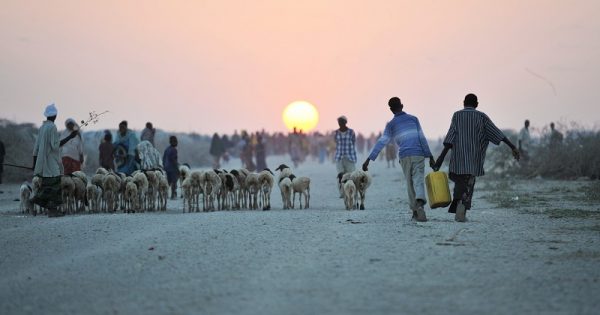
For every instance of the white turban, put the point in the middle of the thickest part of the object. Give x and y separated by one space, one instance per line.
50 111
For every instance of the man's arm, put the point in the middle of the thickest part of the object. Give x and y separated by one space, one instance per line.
515 152
386 137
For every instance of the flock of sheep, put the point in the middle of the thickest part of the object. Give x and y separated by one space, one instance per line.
105 191
209 190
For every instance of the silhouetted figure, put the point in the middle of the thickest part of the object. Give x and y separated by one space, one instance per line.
261 153
556 137
216 150
469 135
107 149
525 141
148 133
171 165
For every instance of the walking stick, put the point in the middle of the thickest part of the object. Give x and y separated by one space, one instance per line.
18 166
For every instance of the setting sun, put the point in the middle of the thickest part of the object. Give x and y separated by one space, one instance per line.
302 115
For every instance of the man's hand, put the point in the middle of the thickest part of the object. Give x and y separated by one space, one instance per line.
438 164
516 154
365 166
431 161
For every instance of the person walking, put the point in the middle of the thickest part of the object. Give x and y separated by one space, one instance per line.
125 149
524 141
260 153
468 137
72 151
46 163
405 130
171 165
106 150
345 147
556 137
148 133
217 149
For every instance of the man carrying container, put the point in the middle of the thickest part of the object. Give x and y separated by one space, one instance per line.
406 131
469 135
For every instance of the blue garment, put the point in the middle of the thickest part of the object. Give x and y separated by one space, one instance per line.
129 141
406 131
171 164
345 145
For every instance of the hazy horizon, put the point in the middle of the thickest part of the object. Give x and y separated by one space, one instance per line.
218 66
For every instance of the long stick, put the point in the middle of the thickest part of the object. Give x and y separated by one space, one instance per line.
18 166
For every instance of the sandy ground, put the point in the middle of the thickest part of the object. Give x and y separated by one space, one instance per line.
537 254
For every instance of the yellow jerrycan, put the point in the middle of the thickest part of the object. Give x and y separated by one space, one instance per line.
438 189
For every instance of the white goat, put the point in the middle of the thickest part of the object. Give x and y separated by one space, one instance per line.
131 197
110 188
140 180
211 186
94 197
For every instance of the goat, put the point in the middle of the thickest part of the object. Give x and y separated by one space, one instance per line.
94 196
211 186
131 197
110 189
140 180
253 187
163 192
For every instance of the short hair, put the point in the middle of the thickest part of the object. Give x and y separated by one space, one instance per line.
107 136
471 100
172 138
123 123
149 125
394 103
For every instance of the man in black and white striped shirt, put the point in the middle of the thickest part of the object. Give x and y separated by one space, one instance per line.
469 135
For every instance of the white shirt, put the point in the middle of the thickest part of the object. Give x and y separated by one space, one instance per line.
525 138
73 148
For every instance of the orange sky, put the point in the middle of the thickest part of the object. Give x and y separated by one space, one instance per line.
210 66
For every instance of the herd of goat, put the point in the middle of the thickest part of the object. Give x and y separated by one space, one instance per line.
201 190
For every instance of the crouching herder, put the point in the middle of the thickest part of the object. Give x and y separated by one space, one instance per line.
406 131
469 135
46 163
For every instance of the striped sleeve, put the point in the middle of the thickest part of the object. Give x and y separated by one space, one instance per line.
492 133
381 142
451 135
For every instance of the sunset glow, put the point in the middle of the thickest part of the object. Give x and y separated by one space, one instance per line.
301 115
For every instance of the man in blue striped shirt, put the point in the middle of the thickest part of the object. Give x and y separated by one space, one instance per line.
406 131
469 135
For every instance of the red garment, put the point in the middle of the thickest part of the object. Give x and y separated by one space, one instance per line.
70 165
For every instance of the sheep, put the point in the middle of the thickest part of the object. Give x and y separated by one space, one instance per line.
188 195
284 171
25 193
184 172
110 187
101 171
79 194
229 190
36 187
285 186
347 190
240 176
300 186
93 195
67 187
131 197
265 180
362 180
152 193
141 181
163 192
349 194
196 182
253 187
211 186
